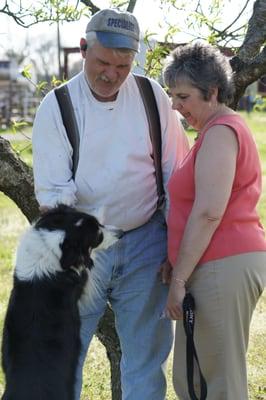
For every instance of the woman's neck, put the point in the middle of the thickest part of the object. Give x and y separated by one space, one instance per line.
220 110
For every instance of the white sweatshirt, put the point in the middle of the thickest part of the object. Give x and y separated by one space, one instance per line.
115 179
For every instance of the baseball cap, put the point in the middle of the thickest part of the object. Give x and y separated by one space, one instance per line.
115 29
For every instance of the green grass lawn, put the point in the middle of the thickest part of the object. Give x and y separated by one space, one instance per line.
97 382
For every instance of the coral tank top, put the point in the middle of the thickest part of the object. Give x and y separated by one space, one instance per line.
240 230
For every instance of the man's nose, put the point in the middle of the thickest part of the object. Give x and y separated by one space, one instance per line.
111 73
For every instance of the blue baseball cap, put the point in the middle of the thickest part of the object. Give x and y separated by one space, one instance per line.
115 29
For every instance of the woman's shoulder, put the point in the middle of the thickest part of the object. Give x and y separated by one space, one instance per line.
230 121
230 118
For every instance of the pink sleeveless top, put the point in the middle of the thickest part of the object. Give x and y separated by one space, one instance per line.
240 230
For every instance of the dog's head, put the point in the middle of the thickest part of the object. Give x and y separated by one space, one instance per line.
60 240
82 233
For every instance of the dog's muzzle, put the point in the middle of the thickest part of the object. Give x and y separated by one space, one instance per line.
90 263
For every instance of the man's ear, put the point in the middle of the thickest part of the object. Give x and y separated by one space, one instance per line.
83 47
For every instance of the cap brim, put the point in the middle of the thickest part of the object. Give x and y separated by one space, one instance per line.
117 41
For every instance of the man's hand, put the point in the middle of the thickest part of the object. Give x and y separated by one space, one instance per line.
166 272
43 209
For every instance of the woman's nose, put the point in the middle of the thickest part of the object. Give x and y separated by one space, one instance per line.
176 105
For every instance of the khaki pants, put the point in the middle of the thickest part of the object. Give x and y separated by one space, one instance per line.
226 292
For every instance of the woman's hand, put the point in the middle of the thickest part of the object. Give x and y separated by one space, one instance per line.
174 306
166 272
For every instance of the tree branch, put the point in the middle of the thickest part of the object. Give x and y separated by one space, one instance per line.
246 73
16 181
235 20
131 5
48 13
90 5
256 33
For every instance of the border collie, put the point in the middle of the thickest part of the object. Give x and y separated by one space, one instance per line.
41 336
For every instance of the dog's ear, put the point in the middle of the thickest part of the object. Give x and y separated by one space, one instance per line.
54 218
50 221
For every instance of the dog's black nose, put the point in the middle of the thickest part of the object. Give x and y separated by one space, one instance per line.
100 238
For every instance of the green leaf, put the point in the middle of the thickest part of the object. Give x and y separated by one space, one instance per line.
26 72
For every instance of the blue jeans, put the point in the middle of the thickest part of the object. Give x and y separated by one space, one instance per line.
126 275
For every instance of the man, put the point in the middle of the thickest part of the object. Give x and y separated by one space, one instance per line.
115 181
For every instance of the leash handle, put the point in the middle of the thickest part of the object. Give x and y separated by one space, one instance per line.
189 321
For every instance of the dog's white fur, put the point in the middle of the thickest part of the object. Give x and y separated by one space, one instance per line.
38 254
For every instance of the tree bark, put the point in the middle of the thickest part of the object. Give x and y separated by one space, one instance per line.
16 181
247 72
131 5
106 332
249 64
93 8
256 32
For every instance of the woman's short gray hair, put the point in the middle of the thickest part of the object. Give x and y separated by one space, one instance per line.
91 38
204 67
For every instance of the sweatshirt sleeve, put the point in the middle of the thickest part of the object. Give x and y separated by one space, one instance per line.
52 156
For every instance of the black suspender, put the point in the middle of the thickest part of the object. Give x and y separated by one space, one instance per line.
154 122
69 121
153 117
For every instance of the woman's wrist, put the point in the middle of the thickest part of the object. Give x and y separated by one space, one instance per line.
180 282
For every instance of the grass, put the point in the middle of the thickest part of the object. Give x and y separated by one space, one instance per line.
96 372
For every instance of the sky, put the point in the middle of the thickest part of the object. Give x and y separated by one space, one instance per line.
12 35
148 12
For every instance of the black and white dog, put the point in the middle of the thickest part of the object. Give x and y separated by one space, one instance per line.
41 337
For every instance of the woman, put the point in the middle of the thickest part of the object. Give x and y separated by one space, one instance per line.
217 246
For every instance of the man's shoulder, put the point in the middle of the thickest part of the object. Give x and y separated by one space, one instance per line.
156 86
75 80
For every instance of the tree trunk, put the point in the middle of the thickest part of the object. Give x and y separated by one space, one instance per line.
246 73
16 181
107 334
249 64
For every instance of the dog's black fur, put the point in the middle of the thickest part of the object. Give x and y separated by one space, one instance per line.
41 337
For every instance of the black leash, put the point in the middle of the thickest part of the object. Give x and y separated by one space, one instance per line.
189 320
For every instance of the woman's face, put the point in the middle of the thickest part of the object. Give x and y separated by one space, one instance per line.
189 102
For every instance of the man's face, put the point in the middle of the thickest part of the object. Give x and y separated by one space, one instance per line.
106 70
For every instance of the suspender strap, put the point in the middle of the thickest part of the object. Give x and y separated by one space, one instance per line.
188 321
69 121
153 117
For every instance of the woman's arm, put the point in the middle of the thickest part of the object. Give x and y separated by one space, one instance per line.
214 175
